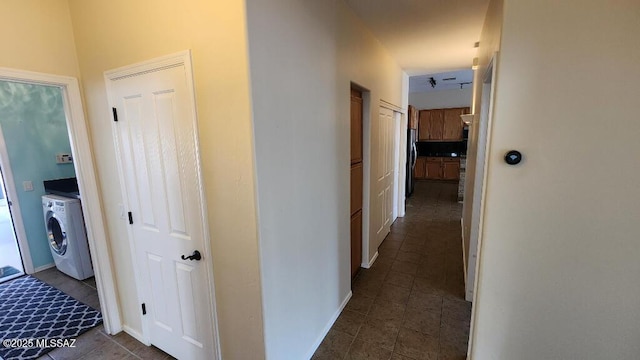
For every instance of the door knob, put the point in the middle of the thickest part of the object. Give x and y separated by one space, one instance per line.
195 256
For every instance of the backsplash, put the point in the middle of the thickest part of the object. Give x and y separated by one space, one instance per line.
441 148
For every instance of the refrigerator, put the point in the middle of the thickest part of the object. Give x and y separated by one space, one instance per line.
412 157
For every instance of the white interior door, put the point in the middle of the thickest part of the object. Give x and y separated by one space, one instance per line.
384 170
157 144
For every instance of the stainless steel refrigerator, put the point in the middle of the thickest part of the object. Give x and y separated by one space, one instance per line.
412 157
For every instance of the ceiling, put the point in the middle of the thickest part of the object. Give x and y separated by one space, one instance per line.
425 36
451 80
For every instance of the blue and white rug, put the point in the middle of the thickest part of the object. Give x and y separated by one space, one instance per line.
35 318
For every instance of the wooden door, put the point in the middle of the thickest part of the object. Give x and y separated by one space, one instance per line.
356 126
356 181
452 128
436 125
420 171
157 144
424 118
434 169
451 169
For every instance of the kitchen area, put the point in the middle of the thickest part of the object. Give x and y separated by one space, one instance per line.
437 138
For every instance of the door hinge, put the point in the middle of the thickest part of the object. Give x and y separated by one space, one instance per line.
130 218
144 309
115 114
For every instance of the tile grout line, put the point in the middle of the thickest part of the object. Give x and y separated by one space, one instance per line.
122 346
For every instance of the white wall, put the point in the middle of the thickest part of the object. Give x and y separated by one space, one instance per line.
304 56
441 99
559 263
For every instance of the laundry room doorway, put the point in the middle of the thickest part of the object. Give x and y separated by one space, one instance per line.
44 137
10 259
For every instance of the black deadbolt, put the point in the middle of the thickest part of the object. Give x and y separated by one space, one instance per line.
513 157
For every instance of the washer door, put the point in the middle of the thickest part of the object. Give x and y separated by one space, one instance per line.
56 234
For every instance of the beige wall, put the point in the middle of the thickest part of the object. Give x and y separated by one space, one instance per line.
365 62
304 56
489 44
111 34
37 36
559 264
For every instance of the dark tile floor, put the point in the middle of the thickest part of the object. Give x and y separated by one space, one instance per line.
95 343
410 304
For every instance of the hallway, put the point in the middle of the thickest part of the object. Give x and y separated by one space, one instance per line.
410 304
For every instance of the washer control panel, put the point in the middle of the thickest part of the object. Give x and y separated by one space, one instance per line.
57 206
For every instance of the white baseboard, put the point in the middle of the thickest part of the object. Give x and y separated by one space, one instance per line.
135 334
370 263
326 329
44 267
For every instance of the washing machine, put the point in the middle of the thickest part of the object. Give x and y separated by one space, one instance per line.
67 236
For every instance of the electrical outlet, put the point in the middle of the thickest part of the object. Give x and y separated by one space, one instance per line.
64 158
123 216
27 185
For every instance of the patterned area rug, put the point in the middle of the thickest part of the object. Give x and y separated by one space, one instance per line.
41 317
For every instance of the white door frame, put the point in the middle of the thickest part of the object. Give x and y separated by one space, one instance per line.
14 208
478 206
366 262
182 58
88 186
398 115
402 165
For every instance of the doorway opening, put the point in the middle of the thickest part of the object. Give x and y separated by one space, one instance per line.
11 265
357 179
483 138
44 137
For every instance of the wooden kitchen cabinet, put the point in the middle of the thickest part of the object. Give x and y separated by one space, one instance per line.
431 125
420 169
413 117
450 170
452 128
434 169
441 168
441 124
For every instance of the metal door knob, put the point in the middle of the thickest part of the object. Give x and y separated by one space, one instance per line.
195 256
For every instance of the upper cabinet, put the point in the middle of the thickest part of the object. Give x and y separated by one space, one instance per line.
441 124
413 117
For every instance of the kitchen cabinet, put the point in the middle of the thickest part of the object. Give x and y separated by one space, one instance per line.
441 124
420 169
413 117
434 168
450 169
431 125
440 168
452 128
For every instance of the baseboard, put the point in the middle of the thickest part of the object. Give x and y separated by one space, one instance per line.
326 329
44 267
135 334
370 263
